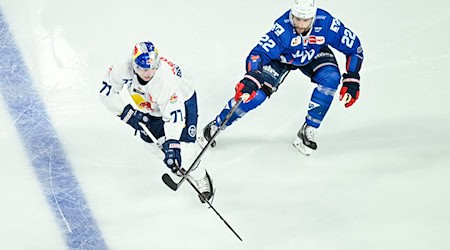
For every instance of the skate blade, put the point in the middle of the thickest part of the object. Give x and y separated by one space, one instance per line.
211 199
298 144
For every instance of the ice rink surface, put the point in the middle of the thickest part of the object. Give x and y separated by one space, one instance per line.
73 176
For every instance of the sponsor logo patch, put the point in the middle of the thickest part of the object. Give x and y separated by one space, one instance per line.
335 25
296 41
313 105
173 98
316 40
278 29
268 69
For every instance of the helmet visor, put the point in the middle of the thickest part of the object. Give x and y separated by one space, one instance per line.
146 60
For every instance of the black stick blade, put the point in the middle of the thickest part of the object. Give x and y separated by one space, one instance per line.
169 182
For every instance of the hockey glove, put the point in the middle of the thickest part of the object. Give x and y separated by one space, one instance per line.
247 87
132 117
172 151
350 89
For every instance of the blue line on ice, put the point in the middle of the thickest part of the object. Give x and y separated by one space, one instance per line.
44 150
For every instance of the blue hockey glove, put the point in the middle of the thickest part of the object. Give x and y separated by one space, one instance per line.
133 117
350 89
172 151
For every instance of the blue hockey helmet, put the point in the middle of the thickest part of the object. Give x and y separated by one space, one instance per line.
145 56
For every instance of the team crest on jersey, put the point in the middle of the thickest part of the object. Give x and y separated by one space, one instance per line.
192 131
296 41
173 98
304 55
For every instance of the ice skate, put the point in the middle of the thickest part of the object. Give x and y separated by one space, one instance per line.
208 132
205 186
305 142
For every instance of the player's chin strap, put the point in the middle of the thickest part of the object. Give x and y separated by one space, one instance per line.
185 174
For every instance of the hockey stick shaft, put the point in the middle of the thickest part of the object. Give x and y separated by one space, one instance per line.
212 207
152 137
197 160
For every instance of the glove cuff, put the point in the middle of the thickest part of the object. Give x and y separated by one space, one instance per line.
251 80
171 144
127 113
351 77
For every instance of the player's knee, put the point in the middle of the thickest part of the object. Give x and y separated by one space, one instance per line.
328 76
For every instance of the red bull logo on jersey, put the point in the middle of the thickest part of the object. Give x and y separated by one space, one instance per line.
141 103
145 105
173 98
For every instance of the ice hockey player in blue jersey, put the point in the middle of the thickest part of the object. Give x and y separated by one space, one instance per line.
300 39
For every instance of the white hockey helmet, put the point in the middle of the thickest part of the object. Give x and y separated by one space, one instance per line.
304 9
145 56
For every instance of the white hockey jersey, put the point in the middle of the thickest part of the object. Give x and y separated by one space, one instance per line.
163 96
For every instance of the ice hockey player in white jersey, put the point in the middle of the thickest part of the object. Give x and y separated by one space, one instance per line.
164 99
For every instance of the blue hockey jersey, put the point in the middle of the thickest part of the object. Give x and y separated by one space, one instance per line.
284 44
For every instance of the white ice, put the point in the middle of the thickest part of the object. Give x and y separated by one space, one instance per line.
379 180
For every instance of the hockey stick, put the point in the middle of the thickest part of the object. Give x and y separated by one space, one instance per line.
211 206
187 177
175 185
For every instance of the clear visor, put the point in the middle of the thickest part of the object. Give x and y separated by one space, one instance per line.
139 68
146 61
302 19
